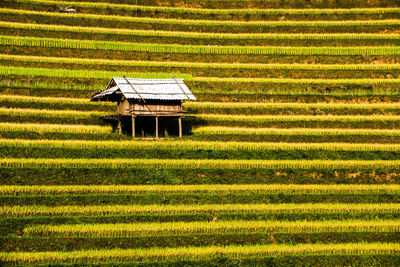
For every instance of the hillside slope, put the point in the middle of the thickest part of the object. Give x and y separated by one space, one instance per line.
290 156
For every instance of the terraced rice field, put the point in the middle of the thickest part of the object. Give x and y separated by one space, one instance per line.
292 157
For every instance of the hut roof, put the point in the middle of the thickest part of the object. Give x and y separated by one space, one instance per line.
155 89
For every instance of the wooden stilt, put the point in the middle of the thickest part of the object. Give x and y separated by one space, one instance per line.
133 126
119 125
180 126
156 126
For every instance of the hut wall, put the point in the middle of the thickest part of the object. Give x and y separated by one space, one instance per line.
130 107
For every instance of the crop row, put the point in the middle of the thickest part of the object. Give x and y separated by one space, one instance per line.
50 113
189 22
259 107
218 227
344 118
9 70
201 35
244 108
174 64
55 128
196 49
295 81
47 116
57 195
17 148
192 145
78 171
208 91
200 253
187 209
213 130
49 100
259 4
296 124
382 72
293 121
19 83
208 106
276 108
185 10
18 101
212 188
42 86
200 164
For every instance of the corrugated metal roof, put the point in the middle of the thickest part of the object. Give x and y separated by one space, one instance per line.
156 89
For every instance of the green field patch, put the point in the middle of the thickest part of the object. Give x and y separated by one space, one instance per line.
193 49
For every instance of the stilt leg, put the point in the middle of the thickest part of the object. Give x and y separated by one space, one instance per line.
119 125
133 126
180 126
156 127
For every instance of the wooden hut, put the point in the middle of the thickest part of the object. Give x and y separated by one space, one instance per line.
146 97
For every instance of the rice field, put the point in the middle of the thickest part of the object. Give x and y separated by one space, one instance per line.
290 156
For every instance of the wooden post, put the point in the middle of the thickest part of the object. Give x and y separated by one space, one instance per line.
156 126
180 126
133 126
119 125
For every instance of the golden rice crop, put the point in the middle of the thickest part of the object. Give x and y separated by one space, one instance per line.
185 10
9 70
294 131
54 128
196 49
217 227
194 145
176 64
198 253
362 81
290 118
201 35
49 113
201 188
201 164
289 105
189 209
149 20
